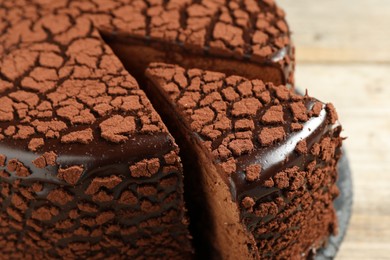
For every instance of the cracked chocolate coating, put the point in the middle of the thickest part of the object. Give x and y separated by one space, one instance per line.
87 168
254 31
276 150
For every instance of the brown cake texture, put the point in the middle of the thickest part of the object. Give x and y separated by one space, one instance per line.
245 37
87 168
263 161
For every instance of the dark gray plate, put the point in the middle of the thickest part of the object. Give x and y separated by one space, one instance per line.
343 205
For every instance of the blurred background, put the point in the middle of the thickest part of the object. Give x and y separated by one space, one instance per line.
343 57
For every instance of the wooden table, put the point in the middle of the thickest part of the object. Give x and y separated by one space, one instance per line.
343 57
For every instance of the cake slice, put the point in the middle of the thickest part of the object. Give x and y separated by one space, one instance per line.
87 168
260 162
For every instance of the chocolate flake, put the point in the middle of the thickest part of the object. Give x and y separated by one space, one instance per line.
71 174
252 172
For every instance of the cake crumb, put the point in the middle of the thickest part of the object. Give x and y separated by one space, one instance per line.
248 203
269 183
35 144
71 174
59 196
296 127
301 147
299 111
270 135
48 158
145 168
82 137
252 172
273 115
117 127
332 115
18 167
316 109
107 182
281 180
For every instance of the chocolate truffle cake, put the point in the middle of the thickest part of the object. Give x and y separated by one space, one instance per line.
208 34
87 168
263 161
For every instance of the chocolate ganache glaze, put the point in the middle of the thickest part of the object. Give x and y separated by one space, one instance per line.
98 157
87 168
88 186
282 155
248 38
103 192
275 150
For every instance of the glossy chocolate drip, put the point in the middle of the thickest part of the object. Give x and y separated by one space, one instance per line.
198 47
275 158
278 157
99 159
277 151
96 157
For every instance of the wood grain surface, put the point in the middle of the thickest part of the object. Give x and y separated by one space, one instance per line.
340 30
343 53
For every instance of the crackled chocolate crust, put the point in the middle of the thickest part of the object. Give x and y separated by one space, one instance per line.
248 38
87 168
244 37
276 152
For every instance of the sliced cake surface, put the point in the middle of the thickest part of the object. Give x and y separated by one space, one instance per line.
87 168
273 152
245 37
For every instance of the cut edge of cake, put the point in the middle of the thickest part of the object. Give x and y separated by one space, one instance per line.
188 99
